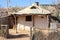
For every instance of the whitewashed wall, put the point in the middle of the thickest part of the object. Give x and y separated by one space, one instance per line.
41 23
22 24
38 22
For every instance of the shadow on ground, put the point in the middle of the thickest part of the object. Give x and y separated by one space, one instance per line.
18 36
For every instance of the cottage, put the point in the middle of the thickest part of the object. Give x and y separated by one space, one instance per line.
33 16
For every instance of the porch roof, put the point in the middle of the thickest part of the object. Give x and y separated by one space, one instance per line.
4 14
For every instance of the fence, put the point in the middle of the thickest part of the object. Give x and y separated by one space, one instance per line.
52 33
46 34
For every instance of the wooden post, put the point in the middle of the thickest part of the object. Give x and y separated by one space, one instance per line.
31 34
33 25
49 20
15 23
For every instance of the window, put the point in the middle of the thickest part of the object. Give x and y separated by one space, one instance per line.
29 18
42 16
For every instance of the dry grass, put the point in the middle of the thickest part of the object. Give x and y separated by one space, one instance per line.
21 35
38 35
54 36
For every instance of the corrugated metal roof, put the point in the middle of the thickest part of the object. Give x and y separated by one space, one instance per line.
4 14
38 10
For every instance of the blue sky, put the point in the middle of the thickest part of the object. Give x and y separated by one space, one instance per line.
22 3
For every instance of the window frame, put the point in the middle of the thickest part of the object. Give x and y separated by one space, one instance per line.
28 18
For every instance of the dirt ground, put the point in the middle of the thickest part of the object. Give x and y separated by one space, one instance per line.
20 35
25 35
